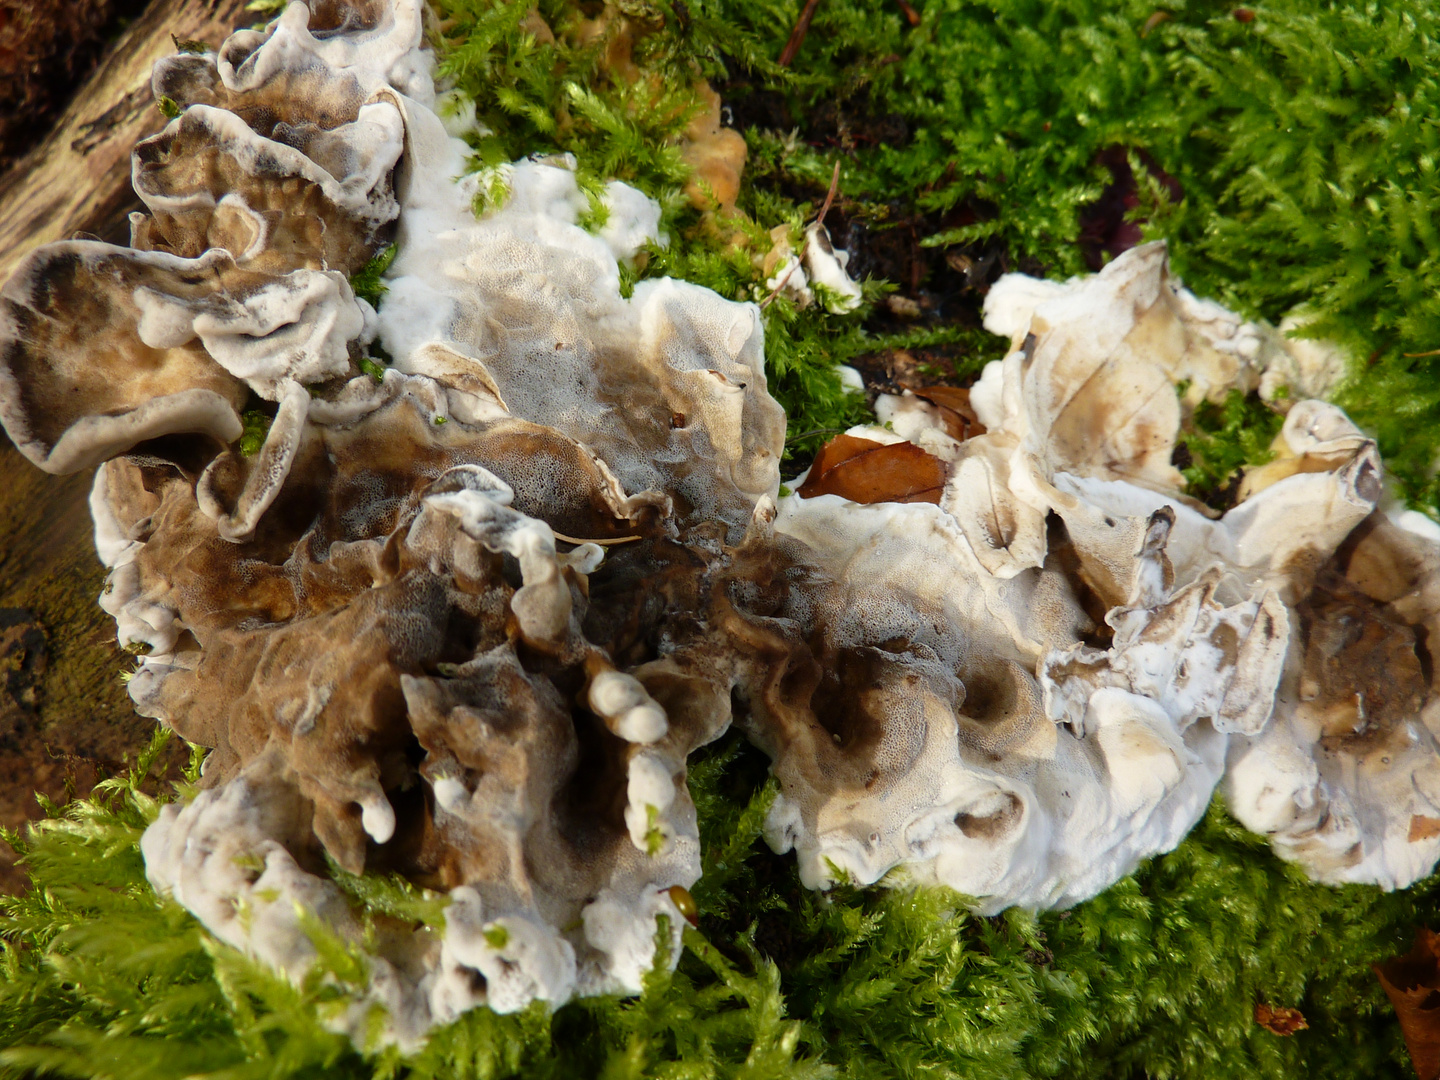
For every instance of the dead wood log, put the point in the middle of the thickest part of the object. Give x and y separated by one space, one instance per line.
78 178
65 719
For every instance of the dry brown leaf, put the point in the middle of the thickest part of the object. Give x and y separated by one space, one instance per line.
954 404
1279 1019
865 471
1412 983
716 153
535 25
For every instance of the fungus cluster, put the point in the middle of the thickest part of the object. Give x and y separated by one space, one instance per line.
464 614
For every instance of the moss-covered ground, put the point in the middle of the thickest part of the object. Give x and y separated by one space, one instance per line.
1288 152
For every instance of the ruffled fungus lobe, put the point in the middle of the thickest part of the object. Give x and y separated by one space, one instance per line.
465 616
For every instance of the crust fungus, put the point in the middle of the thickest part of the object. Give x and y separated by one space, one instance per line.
464 620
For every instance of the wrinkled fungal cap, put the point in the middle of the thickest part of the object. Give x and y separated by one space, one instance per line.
270 187
1113 641
367 614
464 615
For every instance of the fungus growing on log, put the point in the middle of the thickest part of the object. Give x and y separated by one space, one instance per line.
464 615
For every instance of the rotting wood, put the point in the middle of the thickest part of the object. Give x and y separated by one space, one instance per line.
80 725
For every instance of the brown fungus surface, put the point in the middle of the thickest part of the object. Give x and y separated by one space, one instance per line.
464 616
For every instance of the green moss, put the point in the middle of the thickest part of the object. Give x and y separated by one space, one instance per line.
190 45
1222 438
256 426
368 282
374 368
1158 976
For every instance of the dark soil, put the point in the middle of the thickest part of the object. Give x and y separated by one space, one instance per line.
936 287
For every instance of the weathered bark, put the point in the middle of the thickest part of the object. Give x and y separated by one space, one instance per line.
47 49
78 178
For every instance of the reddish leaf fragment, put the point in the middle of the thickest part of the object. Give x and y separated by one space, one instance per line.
1423 828
1279 1019
865 471
1243 15
1412 983
954 404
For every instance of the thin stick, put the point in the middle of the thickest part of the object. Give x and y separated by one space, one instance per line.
830 195
1413 355
800 258
786 279
817 431
802 27
603 543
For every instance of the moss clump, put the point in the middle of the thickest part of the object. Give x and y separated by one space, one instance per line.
368 282
1220 440
1157 977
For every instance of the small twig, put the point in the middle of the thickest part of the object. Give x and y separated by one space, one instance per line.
802 27
1153 21
800 258
829 195
603 543
786 279
1414 355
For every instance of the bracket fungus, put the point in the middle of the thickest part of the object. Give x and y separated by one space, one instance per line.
464 619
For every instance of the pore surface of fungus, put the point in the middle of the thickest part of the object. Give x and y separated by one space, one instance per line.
463 615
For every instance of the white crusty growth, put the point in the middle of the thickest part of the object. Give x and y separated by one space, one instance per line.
1060 763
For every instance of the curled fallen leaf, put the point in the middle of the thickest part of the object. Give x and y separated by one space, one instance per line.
865 471
1279 1019
954 405
1412 983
